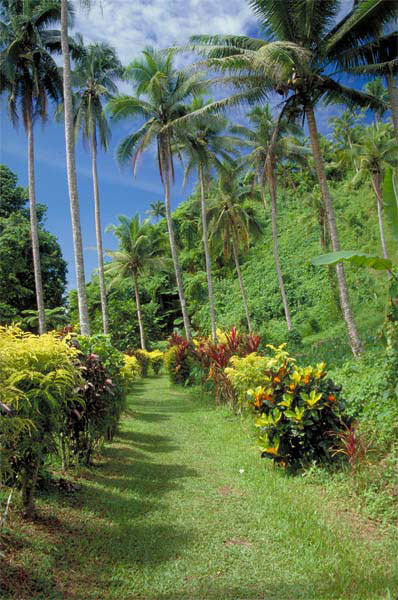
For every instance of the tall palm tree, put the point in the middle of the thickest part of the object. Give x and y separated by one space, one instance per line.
94 80
376 88
161 91
303 42
285 148
139 250
377 150
345 133
379 57
231 224
29 76
71 172
157 210
205 145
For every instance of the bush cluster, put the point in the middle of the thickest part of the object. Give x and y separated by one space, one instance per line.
58 395
148 360
298 410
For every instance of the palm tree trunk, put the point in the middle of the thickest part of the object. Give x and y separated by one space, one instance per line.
272 191
34 228
353 336
242 287
99 235
207 256
139 312
377 188
71 173
165 166
392 86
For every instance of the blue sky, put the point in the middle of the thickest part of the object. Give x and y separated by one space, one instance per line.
128 26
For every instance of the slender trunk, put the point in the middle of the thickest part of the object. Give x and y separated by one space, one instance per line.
272 191
379 198
354 339
207 256
392 86
353 155
71 173
34 228
242 288
139 312
325 248
99 235
164 161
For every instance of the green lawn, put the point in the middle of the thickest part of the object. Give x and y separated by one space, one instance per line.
182 508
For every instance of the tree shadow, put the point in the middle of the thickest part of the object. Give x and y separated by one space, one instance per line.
148 441
151 418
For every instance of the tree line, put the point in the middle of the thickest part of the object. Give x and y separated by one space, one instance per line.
301 54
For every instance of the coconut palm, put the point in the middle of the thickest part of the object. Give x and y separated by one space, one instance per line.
377 150
139 250
94 81
161 91
303 41
285 147
345 133
379 57
29 76
71 172
205 145
231 224
157 210
376 88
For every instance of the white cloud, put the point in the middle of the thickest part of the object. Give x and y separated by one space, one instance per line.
131 25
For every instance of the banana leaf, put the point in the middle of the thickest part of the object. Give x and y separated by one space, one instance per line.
359 259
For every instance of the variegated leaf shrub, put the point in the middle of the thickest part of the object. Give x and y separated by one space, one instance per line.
297 408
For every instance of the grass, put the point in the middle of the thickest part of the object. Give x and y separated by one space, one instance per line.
181 507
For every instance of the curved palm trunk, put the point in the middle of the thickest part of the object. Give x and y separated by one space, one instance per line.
139 312
354 339
99 234
379 198
242 287
71 173
272 191
207 256
392 86
165 174
34 228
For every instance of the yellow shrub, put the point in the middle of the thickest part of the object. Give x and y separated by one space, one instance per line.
130 371
156 358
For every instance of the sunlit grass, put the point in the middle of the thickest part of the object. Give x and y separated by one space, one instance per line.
182 507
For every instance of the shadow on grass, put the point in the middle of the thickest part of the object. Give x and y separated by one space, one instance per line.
146 441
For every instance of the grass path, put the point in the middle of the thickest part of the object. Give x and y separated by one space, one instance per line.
169 515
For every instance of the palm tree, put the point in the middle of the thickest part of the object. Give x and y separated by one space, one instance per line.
284 148
71 173
345 133
94 79
161 91
205 145
231 224
376 88
379 57
377 150
139 250
157 210
29 76
303 42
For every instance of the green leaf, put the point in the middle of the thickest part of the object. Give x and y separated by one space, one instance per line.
359 259
390 201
